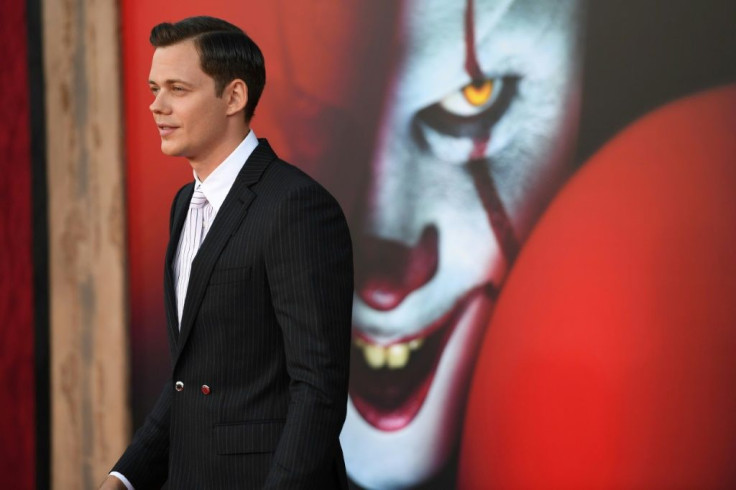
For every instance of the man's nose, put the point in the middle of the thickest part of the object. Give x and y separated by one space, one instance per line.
158 106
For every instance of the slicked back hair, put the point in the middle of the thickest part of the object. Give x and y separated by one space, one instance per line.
225 53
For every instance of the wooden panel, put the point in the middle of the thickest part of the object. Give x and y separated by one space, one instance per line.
89 382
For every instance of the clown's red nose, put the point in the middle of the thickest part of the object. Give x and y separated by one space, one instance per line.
388 271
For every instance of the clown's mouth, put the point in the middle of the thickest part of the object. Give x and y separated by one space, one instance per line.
389 382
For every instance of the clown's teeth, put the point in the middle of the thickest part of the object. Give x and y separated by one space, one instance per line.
395 356
415 344
375 355
398 356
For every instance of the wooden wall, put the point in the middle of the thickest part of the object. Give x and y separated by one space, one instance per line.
89 346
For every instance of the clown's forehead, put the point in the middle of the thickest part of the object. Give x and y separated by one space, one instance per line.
503 35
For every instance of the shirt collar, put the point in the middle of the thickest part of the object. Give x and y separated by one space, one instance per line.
217 185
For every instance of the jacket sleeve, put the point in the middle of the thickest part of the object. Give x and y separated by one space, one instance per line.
309 263
145 462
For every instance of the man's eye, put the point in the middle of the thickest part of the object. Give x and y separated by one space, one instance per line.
472 110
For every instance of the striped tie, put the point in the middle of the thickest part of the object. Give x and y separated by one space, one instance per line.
192 236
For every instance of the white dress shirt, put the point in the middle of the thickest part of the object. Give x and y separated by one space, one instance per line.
215 188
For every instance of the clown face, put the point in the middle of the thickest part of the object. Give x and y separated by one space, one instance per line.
475 136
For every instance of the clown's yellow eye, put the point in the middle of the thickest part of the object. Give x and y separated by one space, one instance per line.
474 98
469 111
478 93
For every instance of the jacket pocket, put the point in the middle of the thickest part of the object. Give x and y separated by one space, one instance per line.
258 436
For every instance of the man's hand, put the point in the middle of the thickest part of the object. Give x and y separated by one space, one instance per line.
112 483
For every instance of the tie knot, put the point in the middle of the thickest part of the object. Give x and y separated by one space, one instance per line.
198 199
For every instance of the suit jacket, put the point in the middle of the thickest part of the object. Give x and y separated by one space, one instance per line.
261 359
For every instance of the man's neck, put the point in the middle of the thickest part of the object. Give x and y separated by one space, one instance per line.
205 166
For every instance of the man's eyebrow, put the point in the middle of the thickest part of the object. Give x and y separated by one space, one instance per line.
170 81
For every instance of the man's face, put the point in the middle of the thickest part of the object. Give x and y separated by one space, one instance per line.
190 117
474 138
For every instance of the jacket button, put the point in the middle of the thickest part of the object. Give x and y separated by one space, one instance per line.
179 386
205 389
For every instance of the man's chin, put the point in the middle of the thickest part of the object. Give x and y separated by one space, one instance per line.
406 437
171 149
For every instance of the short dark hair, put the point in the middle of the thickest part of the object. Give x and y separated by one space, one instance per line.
225 53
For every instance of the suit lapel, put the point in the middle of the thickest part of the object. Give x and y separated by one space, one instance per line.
181 206
226 223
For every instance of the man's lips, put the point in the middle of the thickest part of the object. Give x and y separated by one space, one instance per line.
166 129
389 383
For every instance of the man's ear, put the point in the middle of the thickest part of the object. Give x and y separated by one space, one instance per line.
236 96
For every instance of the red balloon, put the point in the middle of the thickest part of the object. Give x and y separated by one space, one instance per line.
611 358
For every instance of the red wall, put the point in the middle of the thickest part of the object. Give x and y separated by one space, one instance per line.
17 399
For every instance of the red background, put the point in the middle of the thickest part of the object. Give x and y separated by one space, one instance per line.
609 362
17 395
619 373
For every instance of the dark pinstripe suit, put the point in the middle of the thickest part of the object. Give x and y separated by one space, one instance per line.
266 325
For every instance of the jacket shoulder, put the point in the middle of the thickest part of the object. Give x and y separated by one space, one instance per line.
284 178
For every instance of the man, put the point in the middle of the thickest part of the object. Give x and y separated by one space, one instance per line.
258 287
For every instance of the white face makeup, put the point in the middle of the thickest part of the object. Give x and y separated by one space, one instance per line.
475 136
